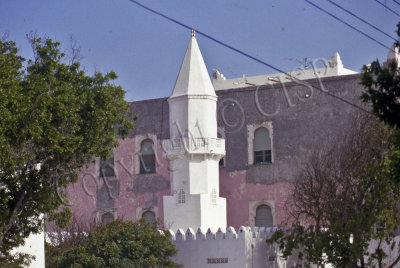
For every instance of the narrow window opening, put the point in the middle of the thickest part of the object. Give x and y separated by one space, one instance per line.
263 216
147 157
181 199
149 217
107 167
107 218
262 146
213 197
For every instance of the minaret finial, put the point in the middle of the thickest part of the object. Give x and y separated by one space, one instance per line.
192 33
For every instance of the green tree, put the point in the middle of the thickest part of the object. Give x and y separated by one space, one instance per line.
120 244
54 119
382 85
344 199
349 195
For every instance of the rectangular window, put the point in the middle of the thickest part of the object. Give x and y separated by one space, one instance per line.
262 157
147 164
107 167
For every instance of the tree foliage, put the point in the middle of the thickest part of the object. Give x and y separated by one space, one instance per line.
382 85
63 239
119 244
54 119
346 197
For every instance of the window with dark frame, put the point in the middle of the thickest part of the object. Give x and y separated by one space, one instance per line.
263 217
147 157
107 218
262 146
107 167
149 217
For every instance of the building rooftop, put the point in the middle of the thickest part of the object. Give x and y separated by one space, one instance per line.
333 67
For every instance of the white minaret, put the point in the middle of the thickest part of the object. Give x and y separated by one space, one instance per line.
194 150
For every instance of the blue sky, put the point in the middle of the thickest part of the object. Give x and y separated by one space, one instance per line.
146 51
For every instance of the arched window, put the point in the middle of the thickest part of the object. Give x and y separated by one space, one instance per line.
262 146
264 216
107 167
181 198
213 197
147 157
149 216
107 218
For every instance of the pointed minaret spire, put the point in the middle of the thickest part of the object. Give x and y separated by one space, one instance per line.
194 149
193 78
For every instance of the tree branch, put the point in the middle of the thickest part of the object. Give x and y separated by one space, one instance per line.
12 216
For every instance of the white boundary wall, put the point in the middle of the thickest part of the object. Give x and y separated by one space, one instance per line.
34 245
246 248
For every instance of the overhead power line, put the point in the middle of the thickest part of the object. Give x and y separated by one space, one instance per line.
242 53
349 25
388 8
397 2
361 19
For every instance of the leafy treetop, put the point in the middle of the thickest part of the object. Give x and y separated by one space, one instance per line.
54 119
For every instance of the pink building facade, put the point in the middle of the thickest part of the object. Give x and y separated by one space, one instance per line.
295 133
270 131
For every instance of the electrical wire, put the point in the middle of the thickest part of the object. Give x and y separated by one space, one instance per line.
349 25
244 53
398 3
361 19
388 8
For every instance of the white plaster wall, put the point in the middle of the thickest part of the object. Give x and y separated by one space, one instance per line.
180 174
196 174
182 215
196 212
178 117
34 245
194 114
245 249
213 215
204 174
392 253
194 253
203 117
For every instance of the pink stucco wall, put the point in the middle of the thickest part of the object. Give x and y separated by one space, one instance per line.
82 197
127 202
233 187
239 194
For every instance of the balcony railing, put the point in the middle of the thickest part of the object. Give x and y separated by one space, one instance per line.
194 146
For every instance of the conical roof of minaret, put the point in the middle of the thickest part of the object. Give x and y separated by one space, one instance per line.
193 78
